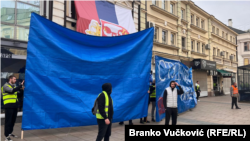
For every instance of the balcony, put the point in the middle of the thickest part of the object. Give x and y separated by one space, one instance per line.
226 62
198 28
234 64
164 12
218 59
165 45
184 49
198 53
184 21
224 39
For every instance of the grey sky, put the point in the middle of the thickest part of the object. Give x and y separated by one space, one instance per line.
238 11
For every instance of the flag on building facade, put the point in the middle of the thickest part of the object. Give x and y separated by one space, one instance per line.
102 18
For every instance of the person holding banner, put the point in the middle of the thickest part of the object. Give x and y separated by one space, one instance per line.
11 103
170 102
104 113
234 94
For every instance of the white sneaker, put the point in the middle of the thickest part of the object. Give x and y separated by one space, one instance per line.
8 138
12 135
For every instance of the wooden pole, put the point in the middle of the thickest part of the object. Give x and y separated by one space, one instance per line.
22 134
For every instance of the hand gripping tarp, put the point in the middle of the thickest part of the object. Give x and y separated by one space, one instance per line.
166 71
66 69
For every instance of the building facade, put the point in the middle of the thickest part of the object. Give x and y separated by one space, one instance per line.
185 32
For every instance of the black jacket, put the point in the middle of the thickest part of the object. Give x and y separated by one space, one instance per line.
101 101
179 92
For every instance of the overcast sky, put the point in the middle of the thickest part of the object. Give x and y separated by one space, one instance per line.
238 11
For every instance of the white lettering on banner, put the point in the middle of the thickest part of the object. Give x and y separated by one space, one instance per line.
173 67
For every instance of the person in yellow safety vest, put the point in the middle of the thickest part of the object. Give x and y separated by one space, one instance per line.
11 104
104 113
197 90
234 94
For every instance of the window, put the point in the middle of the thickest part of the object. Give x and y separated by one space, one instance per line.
214 51
192 45
172 38
233 40
203 48
230 38
246 61
163 5
15 18
226 36
192 19
218 52
198 47
246 46
197 22
202 24
217 32
164 37
183 42
154 2
222 34
156 33
226 55
172 8
182 14
213 29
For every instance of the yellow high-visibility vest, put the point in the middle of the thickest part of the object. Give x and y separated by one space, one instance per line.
106 109
9 97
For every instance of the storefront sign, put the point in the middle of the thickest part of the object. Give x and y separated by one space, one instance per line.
6 55
204 64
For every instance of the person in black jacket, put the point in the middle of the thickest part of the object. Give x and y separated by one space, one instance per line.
170 102
104 125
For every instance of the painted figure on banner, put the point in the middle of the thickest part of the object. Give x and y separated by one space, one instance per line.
105 29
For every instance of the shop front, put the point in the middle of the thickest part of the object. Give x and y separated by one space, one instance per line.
244 82
203 71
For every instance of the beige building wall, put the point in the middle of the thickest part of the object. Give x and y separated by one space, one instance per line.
242 54
194 31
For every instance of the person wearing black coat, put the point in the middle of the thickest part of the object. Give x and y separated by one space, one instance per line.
104 125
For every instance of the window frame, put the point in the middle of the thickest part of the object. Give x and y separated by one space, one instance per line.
172 9
213 29
198 21
183 44
217 31
172 38
192 45
198 47
166 39
203 24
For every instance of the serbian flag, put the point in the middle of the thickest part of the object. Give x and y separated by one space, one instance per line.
102 18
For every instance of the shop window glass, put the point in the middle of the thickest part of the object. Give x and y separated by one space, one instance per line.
8 11
23 13
7 31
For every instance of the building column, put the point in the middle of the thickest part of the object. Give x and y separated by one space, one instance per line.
160 35
179 27
169 38
188 17
168 5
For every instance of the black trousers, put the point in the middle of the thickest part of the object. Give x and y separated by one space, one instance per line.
104 130
198 95
234 102
171 112
10 119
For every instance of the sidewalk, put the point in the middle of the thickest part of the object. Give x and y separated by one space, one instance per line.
210 110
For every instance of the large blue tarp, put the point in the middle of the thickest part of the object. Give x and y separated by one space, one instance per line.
167 70
65 71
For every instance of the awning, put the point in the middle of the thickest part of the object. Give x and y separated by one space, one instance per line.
225 73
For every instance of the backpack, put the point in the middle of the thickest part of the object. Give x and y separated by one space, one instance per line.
94 109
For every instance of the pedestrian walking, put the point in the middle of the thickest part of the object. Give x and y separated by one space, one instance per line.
104 113
197 90
11 104
170 102
234 94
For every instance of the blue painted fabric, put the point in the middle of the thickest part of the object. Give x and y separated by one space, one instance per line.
166 71
65 71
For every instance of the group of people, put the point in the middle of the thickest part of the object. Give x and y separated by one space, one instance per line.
105 109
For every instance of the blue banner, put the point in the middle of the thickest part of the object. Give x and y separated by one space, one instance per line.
167 70
65 72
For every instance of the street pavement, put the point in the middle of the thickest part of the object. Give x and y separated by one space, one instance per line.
209 111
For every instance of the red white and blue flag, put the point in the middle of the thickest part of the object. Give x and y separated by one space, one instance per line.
102 18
